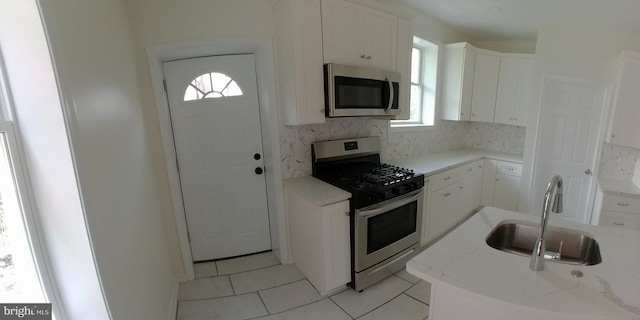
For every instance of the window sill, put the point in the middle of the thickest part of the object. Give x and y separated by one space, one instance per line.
410 127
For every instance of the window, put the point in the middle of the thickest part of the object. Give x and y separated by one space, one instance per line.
211 85
424 71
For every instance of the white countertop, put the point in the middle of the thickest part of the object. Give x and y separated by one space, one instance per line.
317 191
617 187
437 162
609 290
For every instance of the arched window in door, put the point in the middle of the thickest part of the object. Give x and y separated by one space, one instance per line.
210 86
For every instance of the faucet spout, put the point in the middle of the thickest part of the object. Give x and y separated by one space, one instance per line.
552 202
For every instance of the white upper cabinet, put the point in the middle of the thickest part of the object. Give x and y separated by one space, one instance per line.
514 88
623 126
358 35
298 38
459 63
485 87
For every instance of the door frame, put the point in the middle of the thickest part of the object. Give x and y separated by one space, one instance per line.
262 49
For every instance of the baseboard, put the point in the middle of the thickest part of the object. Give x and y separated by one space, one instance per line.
173 301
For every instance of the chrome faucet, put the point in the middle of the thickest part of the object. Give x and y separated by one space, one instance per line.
552 202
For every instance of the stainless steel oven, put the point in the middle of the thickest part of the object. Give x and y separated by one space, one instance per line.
387 235
385 206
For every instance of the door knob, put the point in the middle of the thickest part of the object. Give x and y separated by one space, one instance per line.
257 156
258 170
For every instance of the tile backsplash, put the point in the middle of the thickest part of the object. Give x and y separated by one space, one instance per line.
618 162
295 144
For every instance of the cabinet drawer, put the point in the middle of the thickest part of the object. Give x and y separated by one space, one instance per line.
470 169
509 168
621 204
619 220
444 179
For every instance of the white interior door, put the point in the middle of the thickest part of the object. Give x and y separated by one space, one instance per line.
216 126
569 142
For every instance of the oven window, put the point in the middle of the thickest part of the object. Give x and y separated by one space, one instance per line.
391 226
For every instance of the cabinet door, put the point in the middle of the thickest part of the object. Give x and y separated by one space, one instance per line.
298 40
380 33
467 197
342 23
506 192
485 87
514 86
459 62
488 182
623 128
442 215
336 245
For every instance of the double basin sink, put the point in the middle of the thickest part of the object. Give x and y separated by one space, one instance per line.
519 237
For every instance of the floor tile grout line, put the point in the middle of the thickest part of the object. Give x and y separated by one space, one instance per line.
410 296
378 307
280 285
413 285
263 304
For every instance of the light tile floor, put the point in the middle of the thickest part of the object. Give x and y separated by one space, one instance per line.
259 287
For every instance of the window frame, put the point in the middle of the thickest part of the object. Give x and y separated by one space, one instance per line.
426 45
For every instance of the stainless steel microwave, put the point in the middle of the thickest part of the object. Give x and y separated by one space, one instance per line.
360 92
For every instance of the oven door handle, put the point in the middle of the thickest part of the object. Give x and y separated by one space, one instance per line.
379 208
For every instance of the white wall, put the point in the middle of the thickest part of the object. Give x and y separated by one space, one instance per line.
123 187
56 197
578 50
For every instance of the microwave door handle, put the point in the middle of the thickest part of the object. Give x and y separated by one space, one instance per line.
391 94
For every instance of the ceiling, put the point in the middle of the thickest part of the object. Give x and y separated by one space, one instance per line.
519 19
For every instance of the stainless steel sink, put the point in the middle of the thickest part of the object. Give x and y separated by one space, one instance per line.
519 237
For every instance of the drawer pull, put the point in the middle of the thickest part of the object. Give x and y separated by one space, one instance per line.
469 169
447 178
619 224
510 169
623 204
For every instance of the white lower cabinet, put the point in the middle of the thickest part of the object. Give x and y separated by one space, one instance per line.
501 184
451 196
619 211
506 192
320 242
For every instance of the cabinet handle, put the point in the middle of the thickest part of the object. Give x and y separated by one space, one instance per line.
619 224
447 178
510 169
623 204
362 56
322 110
461 187
368 57
473 114
346 213
613 135
462 113
469 169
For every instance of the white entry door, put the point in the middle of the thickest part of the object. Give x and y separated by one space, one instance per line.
216 127
569 142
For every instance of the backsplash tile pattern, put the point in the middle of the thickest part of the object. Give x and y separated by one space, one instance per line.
496 137
618 162
296 141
